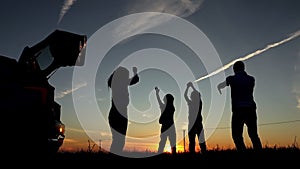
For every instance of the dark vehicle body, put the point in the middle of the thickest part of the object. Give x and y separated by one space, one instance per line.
31 118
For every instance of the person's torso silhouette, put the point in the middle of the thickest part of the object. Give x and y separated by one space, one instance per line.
242 86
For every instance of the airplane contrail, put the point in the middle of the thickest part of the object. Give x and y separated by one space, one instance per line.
257 52
67 5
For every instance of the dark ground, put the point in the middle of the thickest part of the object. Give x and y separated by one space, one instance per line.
268 157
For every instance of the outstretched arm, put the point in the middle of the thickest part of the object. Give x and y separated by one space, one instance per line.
158 98
221 86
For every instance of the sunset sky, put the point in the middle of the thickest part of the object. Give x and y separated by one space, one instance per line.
171 42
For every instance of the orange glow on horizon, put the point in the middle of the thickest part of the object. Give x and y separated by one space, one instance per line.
219 140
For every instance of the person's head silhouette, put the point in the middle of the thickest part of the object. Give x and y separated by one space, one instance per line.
118 77
238 66
121 72
168 98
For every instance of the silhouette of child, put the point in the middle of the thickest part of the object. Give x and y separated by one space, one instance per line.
166 120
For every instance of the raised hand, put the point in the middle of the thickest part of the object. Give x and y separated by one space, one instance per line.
134 69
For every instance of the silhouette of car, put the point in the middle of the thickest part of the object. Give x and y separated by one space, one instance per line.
27 99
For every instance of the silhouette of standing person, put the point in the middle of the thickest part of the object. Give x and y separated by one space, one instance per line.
195 126
119 82
243 106
166 120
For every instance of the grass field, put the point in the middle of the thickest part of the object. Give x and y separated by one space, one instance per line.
283 156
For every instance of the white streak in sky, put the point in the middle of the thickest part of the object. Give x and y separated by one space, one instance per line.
257 52
67 5
296 83
68 91
296 91
76 130
181 8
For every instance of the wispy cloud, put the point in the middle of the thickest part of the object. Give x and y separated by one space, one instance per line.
298 102
296 90
102 133
70 140
105 134
296 84
180 8
68 91
76 130
65 8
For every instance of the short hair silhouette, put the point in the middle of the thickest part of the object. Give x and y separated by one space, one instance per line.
238 66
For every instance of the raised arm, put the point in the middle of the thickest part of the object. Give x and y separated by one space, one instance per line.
161 104
221 86
188 85
109 80
135 77
192 86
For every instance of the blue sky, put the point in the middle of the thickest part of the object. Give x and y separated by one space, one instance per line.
231 28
